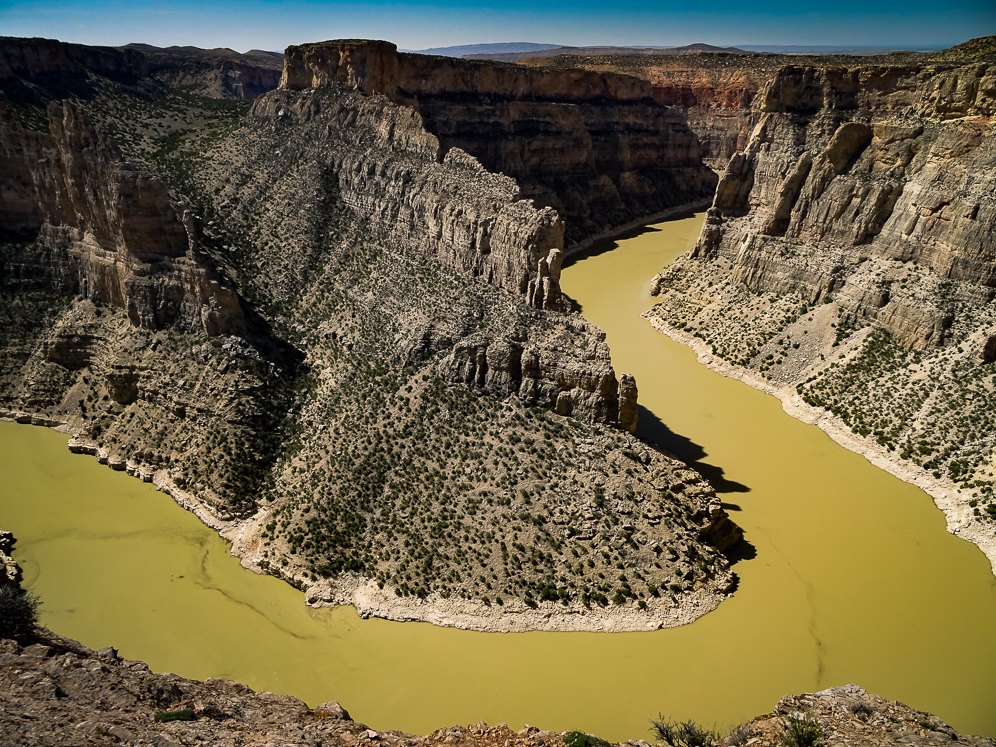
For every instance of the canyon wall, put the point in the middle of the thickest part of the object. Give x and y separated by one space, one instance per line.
849 170
595 146
100 227
37 71
848 265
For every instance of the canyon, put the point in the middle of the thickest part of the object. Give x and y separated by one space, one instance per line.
329 321
846 264
264 308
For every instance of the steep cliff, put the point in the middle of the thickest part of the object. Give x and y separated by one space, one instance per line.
100 227
596 147
716 92
849 261
216 73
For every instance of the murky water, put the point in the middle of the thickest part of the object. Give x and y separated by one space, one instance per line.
853 580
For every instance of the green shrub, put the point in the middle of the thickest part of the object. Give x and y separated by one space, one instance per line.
681 733
580 739
18 612
802 733
186 714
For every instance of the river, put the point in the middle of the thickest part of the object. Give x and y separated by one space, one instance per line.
849 575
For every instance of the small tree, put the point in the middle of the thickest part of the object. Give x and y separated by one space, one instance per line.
18 612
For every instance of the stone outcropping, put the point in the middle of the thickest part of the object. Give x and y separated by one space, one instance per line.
10 571
103 228
596 147
851 170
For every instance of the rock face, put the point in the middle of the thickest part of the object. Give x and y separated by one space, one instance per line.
596 147
39 70
10 571
377 159
851 170
848 265
103 228
216 73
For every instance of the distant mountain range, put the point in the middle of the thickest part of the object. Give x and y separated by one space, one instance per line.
515 51
471 49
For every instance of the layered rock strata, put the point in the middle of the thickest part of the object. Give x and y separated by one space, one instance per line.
596 147
216 73
403 379
848 263
91 224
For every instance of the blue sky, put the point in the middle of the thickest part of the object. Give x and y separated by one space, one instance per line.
273 24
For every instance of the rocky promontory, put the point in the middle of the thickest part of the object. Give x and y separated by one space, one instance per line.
402 413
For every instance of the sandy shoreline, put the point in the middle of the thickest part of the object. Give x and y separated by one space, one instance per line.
947 496
363 594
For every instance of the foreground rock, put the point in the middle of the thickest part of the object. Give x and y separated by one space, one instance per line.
55 691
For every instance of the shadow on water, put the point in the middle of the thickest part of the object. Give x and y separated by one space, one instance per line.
608 245
653 429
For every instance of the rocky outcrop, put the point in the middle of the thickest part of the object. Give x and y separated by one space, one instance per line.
594 146
377 160
840 180
10 571
88 222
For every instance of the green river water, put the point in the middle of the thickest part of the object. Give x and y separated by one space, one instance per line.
851 576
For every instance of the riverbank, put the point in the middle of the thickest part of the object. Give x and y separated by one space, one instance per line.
369 600
947 496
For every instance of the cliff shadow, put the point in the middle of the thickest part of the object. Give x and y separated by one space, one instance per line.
652 428
601 246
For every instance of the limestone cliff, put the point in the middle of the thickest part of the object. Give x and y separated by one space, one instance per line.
850 170
848 264
596 147
102 228
216 73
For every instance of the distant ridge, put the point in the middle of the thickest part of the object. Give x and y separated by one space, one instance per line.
697 48
474 49
271 60
837 49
